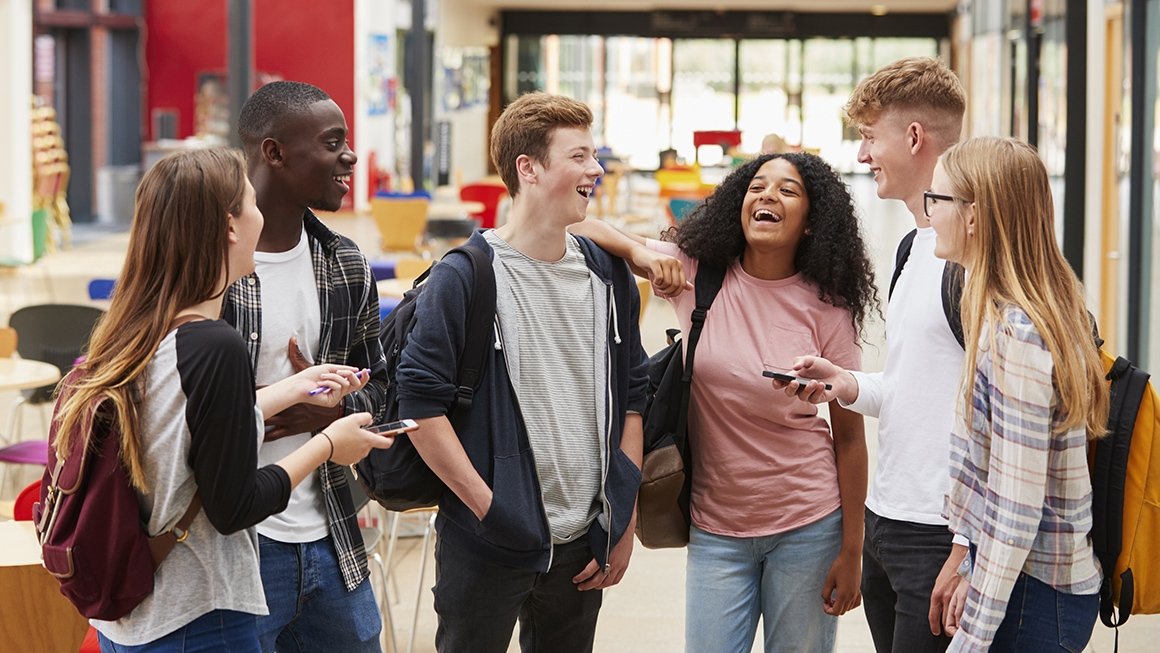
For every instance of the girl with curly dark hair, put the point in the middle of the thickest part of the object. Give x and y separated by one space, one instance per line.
831 252
777 496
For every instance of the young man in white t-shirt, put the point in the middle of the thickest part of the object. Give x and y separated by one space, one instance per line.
311 299
908 113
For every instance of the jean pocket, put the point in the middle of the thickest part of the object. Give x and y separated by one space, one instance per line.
1076 617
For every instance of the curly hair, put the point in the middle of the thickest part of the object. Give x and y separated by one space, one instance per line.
832 255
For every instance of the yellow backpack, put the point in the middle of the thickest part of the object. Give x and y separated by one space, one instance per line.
1125 472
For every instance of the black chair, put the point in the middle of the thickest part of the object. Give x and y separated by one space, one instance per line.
52 333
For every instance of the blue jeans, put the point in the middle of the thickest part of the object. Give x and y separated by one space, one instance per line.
310 609
479 601
219 630
1041 618
732 581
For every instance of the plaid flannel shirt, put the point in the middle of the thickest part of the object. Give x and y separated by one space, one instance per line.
1019 490
349 303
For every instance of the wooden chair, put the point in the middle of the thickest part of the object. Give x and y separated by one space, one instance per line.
7 342
410 267
644 287
50 176
607 191
402 222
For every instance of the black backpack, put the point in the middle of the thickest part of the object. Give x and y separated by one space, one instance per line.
397 477
952 285
663 503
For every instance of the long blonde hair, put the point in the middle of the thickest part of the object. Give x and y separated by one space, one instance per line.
1013 258
177 258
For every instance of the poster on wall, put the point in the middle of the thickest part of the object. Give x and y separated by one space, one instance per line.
211 107
380 77
464 78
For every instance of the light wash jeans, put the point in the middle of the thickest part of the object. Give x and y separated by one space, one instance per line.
731 581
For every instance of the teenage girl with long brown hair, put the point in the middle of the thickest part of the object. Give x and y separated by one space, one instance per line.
178 384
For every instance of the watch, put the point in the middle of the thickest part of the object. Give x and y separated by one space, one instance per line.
965 566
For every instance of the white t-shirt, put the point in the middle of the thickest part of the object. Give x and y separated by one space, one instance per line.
914 396
289 308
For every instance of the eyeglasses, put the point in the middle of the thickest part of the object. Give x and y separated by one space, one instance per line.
929 198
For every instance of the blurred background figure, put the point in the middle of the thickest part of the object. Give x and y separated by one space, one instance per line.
774 144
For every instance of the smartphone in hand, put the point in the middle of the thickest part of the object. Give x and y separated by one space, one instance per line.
787 378
393 428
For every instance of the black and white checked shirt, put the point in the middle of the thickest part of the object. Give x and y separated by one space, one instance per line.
348 301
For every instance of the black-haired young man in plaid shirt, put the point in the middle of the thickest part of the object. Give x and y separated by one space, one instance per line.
311 299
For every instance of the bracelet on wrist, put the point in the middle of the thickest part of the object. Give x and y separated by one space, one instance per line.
331 442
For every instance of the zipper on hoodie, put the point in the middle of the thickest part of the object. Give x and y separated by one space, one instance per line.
608 424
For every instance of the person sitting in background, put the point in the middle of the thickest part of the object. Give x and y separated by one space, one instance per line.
774 144
777 495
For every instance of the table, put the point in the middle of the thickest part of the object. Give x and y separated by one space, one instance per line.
394 288
451 209
34 615
20 374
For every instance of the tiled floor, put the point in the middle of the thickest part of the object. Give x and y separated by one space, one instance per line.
645 613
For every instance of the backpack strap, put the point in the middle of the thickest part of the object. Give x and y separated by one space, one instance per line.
480 315
708 284
952 299
900 257
952 285
160 545
1108 471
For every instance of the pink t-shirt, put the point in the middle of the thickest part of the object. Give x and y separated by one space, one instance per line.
763 463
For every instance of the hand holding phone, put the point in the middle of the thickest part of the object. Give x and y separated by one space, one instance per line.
393 428
787 378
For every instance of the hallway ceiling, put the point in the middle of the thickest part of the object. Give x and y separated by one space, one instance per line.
851 6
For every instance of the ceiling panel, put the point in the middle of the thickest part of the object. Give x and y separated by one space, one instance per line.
853 6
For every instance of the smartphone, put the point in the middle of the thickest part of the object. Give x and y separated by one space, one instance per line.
391 428
788 378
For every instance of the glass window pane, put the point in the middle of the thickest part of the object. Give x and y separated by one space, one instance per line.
125 7
829 80
702 96
764 93
636 123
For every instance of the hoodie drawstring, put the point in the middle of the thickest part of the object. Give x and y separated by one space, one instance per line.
615 321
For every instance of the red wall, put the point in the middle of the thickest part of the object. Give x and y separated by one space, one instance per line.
302 40
181 39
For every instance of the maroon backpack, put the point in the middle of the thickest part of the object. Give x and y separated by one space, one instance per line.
92 536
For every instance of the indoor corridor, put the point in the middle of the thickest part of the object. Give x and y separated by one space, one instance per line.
645 613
